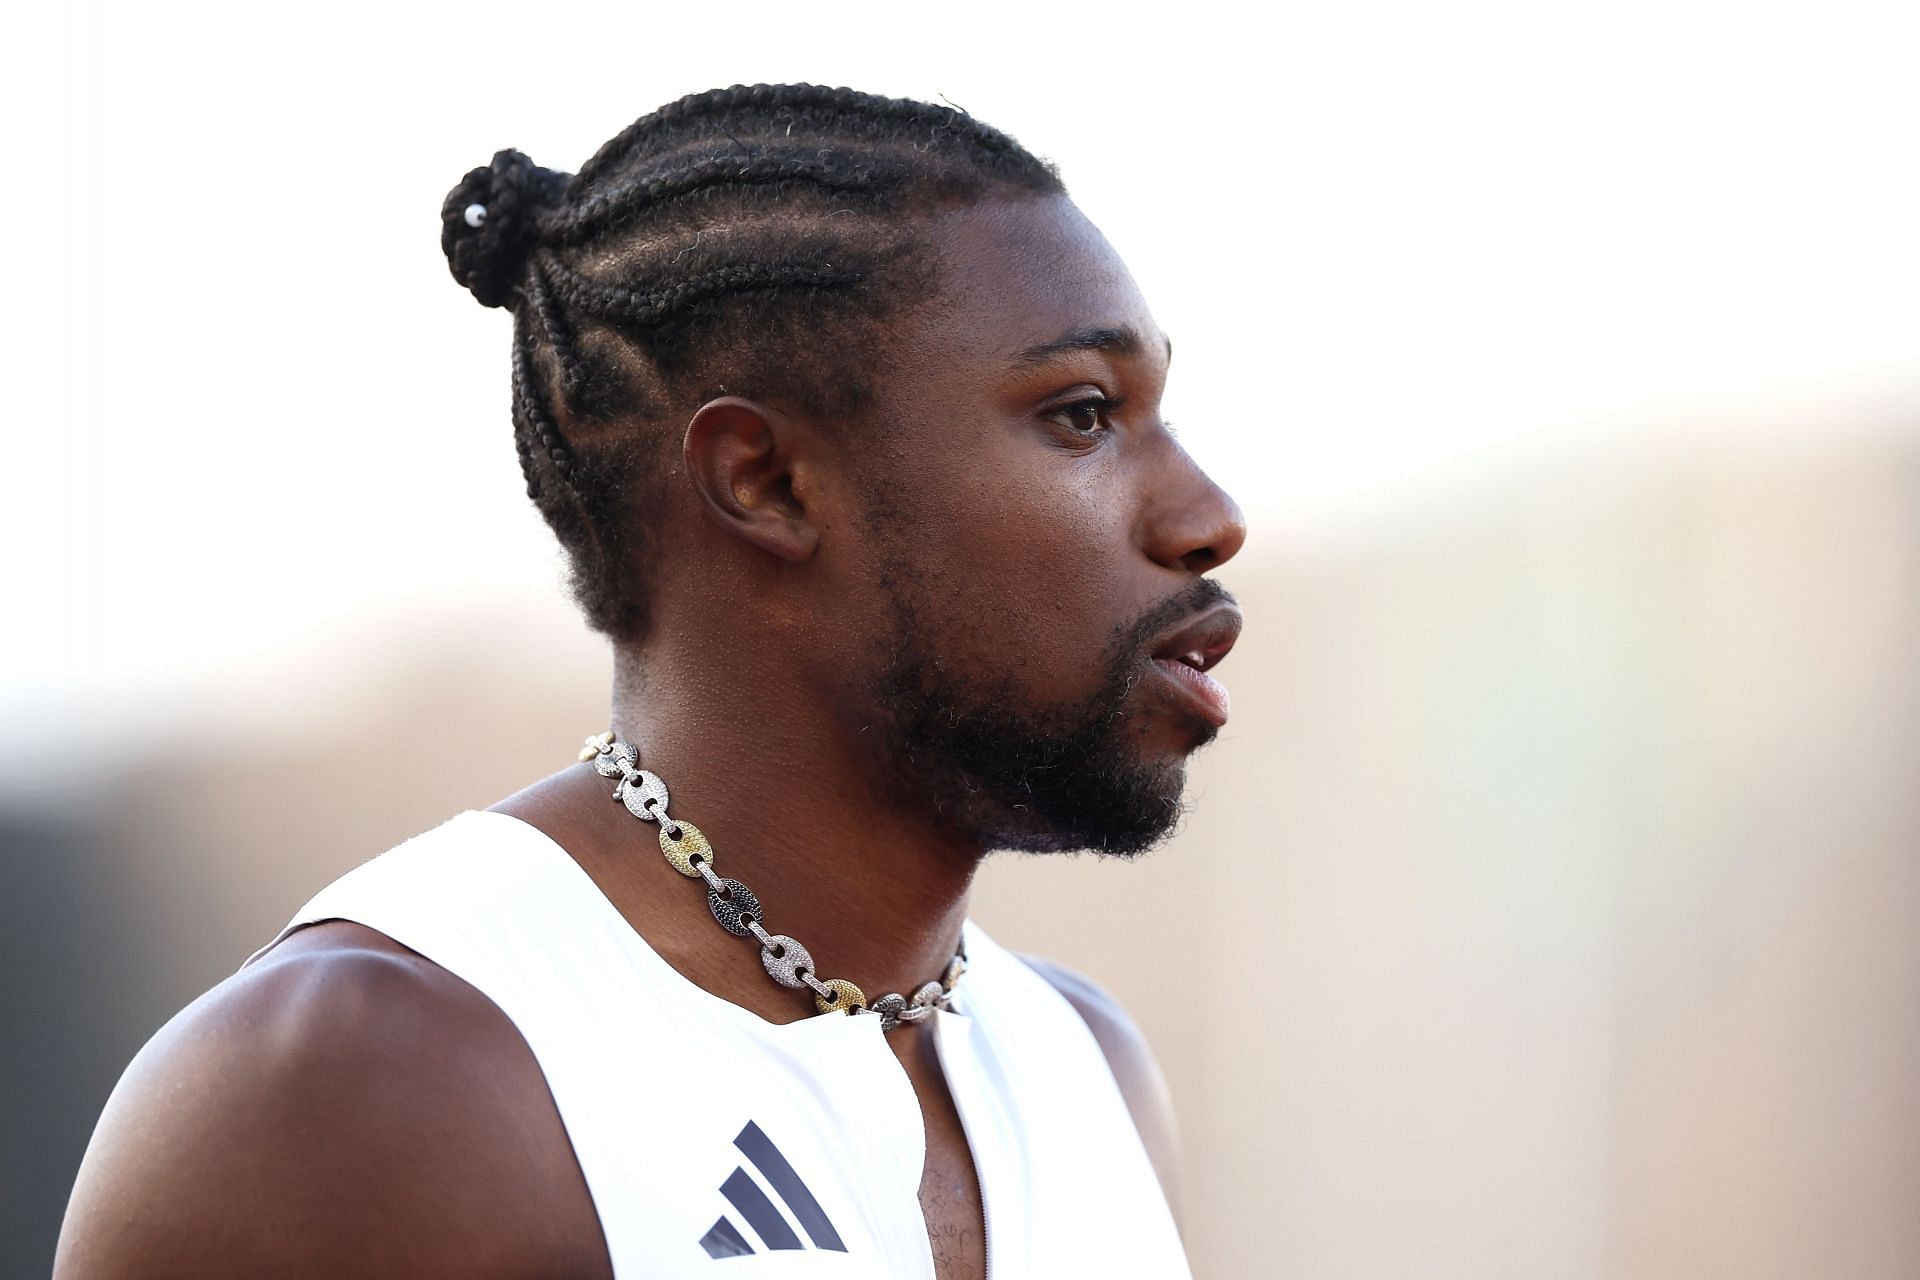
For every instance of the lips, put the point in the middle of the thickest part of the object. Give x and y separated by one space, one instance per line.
1207 695
1186 655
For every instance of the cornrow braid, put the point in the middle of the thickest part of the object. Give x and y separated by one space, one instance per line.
644 308
815 105
559 334
534 428
824 171
752 240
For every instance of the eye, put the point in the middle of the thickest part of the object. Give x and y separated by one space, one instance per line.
1087 417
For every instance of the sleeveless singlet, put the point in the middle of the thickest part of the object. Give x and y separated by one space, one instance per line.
715 1143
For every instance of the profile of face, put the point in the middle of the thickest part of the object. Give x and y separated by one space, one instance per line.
1030 537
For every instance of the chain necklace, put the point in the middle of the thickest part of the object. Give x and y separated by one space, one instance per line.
738 911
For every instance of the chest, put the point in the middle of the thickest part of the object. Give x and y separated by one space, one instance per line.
950 1198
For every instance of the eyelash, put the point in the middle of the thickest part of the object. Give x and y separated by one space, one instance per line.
1099 404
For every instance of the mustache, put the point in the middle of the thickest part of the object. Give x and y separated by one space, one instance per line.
1201 595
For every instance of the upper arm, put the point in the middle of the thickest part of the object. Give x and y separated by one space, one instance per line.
1134 1068
325 1113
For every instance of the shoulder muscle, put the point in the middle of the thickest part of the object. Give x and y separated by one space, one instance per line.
324 1112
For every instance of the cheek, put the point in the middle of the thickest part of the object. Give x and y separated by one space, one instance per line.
1030 563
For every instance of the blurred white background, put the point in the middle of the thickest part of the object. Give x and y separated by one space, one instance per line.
1549 907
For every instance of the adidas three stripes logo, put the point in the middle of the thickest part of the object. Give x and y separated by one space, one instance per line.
775 1229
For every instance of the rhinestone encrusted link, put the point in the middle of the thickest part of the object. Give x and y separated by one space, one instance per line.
644 794
682 851
785 967
847 997
889 1007
732 911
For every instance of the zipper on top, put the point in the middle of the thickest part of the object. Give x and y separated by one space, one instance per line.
973 1148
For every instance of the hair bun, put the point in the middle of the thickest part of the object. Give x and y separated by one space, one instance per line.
488 223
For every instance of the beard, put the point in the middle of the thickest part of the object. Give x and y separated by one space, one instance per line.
989 762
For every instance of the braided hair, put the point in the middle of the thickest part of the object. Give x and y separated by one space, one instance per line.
748 240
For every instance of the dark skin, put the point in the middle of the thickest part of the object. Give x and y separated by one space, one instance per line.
252 1137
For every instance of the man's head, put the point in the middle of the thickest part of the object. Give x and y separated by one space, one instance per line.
852 382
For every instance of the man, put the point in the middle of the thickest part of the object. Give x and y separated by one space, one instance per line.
849 422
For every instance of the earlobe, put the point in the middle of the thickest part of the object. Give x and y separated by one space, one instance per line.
742 457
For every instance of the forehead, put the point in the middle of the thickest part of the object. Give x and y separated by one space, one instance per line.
1021 273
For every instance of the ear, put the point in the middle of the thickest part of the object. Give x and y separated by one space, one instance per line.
747 461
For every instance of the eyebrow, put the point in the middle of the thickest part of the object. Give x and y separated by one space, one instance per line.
1121 340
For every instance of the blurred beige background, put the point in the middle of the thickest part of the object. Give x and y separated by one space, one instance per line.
1550 907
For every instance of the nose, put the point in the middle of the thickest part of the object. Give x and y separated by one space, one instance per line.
1189 522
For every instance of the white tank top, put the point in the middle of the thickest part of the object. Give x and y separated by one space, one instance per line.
716 1143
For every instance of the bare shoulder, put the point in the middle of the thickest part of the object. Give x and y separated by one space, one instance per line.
1131 1058
342 1106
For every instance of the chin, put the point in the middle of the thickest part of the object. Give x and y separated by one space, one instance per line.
1115 815
1186 734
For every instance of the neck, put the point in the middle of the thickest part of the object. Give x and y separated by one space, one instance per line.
787 794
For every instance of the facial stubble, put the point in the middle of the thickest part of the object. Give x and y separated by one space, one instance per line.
972 746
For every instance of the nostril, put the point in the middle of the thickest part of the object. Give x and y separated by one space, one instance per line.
1202 560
